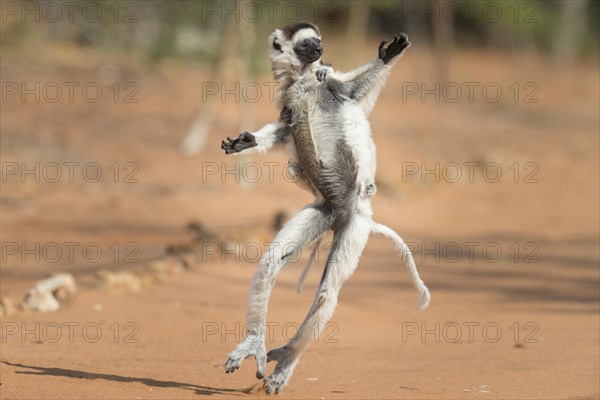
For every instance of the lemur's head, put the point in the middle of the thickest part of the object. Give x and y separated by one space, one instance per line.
295 46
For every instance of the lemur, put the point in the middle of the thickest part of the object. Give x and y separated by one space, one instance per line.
279 133
324 115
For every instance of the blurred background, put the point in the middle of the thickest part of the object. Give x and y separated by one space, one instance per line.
112 115
143 92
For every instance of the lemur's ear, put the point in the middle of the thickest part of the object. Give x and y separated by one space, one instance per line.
275 39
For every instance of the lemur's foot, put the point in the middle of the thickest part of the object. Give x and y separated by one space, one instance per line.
369 190
245 141
322 74
400 42
286 359
249 347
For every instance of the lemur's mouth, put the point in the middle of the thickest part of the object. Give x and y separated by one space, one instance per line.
310 59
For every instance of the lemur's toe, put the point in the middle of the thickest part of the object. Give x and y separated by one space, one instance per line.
286 359
232 364
261 363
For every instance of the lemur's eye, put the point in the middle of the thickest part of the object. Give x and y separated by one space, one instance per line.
276 45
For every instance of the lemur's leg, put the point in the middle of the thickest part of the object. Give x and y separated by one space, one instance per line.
260 141
299 232
344 261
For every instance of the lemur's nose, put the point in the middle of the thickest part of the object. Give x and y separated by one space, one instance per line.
319 50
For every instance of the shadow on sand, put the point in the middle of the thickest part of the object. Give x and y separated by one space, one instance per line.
71 373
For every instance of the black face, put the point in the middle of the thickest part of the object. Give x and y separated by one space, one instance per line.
309 50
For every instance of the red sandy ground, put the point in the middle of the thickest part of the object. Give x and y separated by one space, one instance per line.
546 311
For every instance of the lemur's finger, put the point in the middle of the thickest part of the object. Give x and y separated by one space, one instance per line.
382 49
261 362
230 139
228 365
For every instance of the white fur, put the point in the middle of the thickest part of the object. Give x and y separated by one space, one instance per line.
358 136
303 34
265 138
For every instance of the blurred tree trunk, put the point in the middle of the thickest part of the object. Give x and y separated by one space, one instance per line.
196 136
247 34
443 38
356 31
572 26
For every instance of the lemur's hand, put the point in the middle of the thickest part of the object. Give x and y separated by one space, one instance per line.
369 190
245 141
286 115
322 74
400 42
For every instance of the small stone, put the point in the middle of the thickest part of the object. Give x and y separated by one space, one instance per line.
42 296
24 307
120 282
174 266
189 260
158 269
41 301
7 307
64 295
89 281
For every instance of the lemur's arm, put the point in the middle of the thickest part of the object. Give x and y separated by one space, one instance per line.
273 134
366 82
327 71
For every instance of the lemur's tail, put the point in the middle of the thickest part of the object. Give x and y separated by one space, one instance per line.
400 245
308 264
410 262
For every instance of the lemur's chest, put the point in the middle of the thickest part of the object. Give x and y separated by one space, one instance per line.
300 94
306 93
